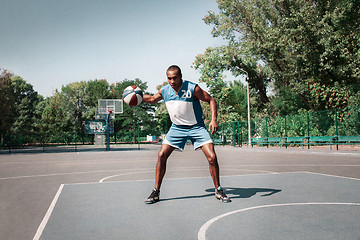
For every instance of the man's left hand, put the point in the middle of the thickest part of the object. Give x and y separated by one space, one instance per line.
213 126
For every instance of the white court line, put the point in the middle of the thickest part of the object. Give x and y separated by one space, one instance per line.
48 214
222 176
178 170
61 174
98 161
329 175
205 227
115 170
74 173
122 174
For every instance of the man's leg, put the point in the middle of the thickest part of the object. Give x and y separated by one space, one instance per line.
209 151
163 155
210 154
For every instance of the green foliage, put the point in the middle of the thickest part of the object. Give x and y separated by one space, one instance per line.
309 46
296 55
28 118
55 121
215 62
310 123
74 106
234 102
7 105
162 118
18 121
95 90
26 101
348 121
132 117
334 122
328 96
276 126
212 64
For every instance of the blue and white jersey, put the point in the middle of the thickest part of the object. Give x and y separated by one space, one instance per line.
182 107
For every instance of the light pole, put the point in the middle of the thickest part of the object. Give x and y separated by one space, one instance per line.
248 103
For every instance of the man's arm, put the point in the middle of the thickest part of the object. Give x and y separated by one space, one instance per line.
204 96
152 98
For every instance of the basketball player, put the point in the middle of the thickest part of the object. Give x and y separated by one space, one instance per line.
182 102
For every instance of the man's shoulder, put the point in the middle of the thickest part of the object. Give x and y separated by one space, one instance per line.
166 91
165 87
188 84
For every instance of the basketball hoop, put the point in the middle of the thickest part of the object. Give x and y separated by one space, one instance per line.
107 108
115 105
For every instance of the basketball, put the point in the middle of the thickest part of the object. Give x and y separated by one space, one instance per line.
132 95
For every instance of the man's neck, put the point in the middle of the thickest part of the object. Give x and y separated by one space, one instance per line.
177 90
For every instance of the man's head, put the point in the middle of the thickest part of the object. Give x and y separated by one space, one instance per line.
174 77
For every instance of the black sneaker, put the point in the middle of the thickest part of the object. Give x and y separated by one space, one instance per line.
220 195
154 197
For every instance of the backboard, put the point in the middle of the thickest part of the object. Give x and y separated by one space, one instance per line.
97 127
108 106
109 115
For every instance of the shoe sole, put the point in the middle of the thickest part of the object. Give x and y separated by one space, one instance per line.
224 201
151 202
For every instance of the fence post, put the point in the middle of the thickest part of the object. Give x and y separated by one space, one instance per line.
238 133
234 134
222 132
241 135
138 134
336 129
285 132
43 143
267 131
308 128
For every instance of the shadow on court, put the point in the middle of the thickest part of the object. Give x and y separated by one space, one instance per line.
232 193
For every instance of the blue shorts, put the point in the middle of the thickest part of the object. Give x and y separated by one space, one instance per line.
178 136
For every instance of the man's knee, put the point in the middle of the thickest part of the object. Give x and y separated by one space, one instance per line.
162 156
212 158
210 154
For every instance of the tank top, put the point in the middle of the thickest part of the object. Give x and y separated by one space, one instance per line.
182 107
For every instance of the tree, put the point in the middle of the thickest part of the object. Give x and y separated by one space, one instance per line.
7 104
162 116
26 99
95 90
303 43
127 123
74 93
236 99
55 121
216 62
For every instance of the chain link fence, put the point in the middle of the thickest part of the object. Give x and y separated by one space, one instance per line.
330 127
311 127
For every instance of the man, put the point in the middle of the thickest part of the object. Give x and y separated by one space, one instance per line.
182 101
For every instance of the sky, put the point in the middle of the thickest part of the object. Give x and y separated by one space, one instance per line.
51 43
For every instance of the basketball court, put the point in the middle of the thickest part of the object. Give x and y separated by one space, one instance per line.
276 194
265 206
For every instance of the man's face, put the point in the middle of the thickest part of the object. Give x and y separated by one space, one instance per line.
174 79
